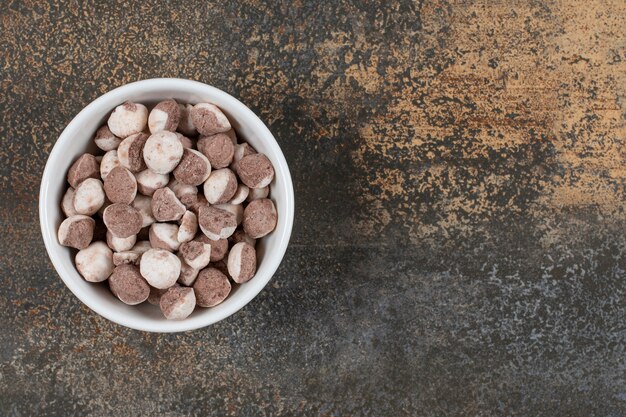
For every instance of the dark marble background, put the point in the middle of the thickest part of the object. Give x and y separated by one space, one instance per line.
459 247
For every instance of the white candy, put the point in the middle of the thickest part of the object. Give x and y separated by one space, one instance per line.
157 120
240 195
109 161
162 152
181 191
120 244
164 236
95 263
160 268
67 204
144 205
149 181
142 247
89 197
218 185
236 209
127 119
188 227
258 193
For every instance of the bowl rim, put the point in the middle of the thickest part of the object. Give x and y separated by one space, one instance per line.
49 232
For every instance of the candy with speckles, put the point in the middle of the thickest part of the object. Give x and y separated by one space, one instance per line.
255 170
86 166
106 140
120 186
196 254
219 150
220 187
211 287
194 168
209 119
178 303
164 236
149 181
241 262
215 223
160 268
122 220
162 152
89 196
127 119
127 284
259 218
76 231
130 152
95 262
164 116
166 207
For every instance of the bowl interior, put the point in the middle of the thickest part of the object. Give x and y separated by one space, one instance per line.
77 139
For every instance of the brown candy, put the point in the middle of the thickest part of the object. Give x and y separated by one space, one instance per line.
196 254
120 186
178 303
130 152
106 140
256 170
76 231
86 166
242 262
128 285
194 168
211 287
219 248
218 149
221 186
215 223
209 119
164 116
259 218
165 205
122 220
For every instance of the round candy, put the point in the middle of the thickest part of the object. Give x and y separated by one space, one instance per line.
215 223
219 150
193 169
76 231
178 303
130 152
86 166
120 244
127 284
160 268
209 119
143 204
185 125
196 254
162 152
127 119
67 204
211 287
165 205
164 116
242 262
256 170
109 161
164 236
259 218
188 227
149 181
89 197
120 186
95 263
106 140
221 186
122 220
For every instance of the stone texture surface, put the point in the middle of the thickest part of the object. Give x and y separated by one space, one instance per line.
459 242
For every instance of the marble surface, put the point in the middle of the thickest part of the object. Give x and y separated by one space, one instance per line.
459 247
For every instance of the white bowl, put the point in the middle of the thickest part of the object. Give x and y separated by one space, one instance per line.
77 139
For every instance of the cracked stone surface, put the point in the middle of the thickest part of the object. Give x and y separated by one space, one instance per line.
459 246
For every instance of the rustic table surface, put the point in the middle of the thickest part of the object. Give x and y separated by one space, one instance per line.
459 247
